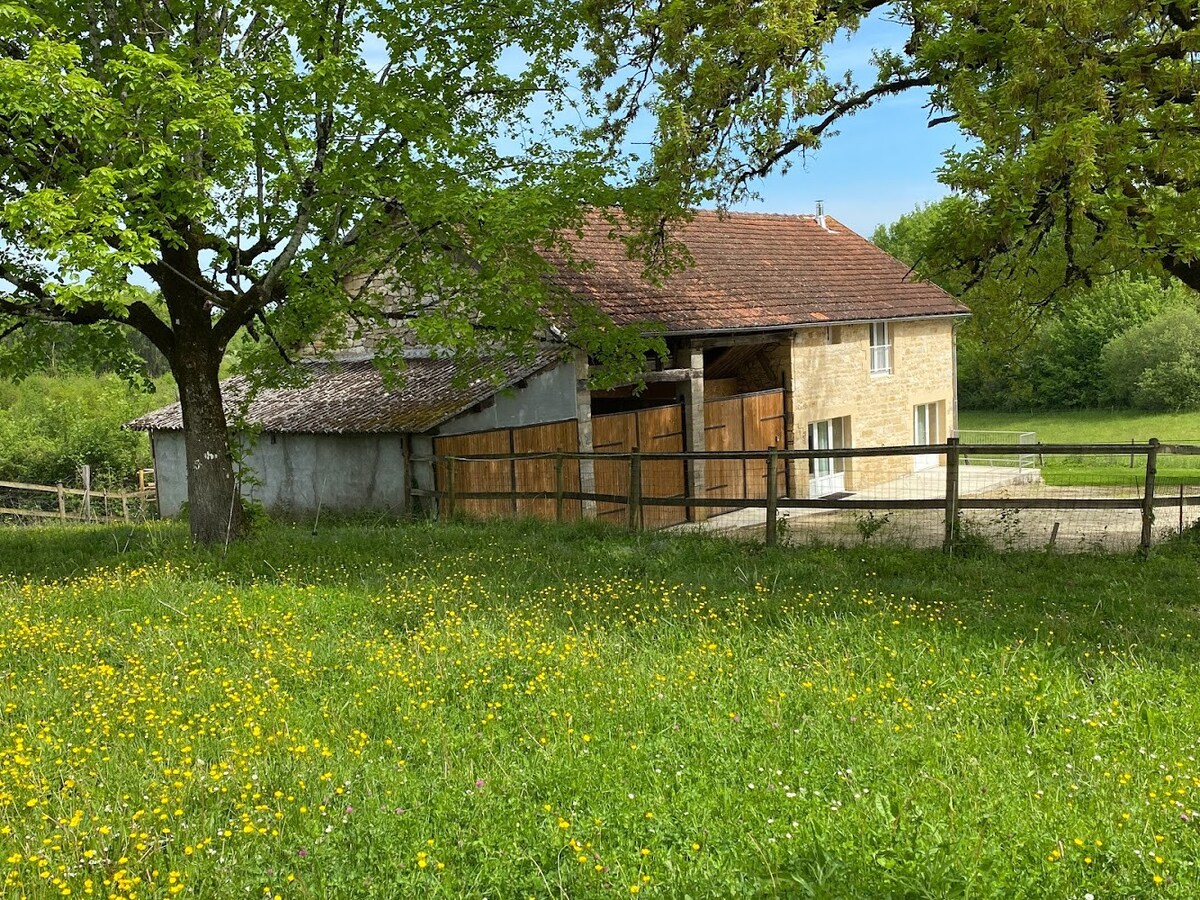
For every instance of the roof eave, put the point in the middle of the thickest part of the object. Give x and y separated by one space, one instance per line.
549 361
755 329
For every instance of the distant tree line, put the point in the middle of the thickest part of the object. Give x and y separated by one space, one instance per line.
1125 340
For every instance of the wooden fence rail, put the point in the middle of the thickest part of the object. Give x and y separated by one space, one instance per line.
450 495
856 452
93 505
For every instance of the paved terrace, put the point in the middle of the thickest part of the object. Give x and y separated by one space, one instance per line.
926 484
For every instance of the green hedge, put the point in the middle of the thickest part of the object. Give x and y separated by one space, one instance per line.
51 426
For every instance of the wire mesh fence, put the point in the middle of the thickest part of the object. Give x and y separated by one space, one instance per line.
22 504
1021 457
1050 496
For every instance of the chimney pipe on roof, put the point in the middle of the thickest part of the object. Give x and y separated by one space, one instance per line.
821 213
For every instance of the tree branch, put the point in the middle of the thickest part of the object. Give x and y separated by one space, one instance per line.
139 316
847 106
1181 16
1186 270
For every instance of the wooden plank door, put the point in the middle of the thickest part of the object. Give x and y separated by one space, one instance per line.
538 474
479 474
762 429
660 430
724 431
614 433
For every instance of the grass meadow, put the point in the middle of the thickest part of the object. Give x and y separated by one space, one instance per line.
1092 426
524 710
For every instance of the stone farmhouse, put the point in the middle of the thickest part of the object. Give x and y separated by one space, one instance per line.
787 332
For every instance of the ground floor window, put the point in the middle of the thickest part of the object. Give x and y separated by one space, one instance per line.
827 475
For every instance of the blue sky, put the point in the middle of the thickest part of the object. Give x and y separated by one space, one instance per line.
881 164
883 161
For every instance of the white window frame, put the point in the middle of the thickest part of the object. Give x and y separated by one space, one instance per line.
881 348
827 475
927 427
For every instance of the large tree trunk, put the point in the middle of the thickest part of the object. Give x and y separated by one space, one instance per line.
214 510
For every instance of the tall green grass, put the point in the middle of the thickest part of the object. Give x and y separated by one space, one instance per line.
527 710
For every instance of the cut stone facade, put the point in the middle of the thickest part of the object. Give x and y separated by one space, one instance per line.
832 381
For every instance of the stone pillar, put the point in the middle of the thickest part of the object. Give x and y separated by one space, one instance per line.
583 418
692 357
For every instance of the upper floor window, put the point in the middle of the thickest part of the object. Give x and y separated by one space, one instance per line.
881 349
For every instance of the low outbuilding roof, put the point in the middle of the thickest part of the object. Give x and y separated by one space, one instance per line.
351 397
752 271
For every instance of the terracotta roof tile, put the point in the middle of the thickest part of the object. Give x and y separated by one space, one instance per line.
751 271
351 398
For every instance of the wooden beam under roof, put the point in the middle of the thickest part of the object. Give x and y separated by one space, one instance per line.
738 340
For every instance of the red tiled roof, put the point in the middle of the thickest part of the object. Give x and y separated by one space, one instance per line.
752 271
352 398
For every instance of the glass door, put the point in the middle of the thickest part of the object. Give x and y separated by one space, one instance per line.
826 475
925 429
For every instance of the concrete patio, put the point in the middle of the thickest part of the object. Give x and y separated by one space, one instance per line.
926 484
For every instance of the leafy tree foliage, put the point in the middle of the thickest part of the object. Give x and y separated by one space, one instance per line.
1083 150
56 348
249 157
1018 354
1157 365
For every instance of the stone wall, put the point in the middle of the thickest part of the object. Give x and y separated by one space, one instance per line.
295 474
833 380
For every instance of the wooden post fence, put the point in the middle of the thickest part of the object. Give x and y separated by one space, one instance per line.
450 487
772 497
952 454
105 511
635 490
559 488
87 493
962 489
1148 498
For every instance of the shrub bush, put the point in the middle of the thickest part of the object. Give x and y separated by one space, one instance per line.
1156 365
51 426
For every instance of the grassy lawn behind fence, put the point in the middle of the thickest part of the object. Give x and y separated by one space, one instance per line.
528 710
1100 426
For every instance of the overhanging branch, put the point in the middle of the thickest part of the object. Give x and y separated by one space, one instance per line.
840 110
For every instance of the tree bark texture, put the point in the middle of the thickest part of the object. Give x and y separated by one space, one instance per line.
215 514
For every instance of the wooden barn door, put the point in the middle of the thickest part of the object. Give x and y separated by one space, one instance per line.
656 430
512 476
661 431
745 422
538 474
762 429
723 431
478 475
614 433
